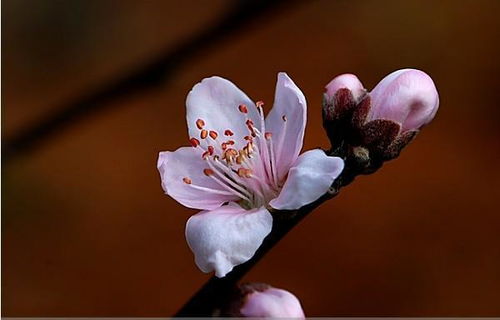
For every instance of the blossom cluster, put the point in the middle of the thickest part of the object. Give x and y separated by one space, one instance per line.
242 165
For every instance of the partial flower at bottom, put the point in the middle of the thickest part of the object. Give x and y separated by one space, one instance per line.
241 164
260 300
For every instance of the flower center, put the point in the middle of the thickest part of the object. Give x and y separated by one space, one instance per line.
249 172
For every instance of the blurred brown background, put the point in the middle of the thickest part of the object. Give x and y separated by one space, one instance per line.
87 230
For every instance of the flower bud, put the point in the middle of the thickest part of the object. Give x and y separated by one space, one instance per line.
263 301
345 81
341 97
407 97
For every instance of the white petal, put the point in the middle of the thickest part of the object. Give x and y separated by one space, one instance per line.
287 122
186 162
226 237
216 101
308 179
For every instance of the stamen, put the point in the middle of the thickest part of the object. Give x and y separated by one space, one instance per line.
227 183
244 173
205 155
210 150
226 193
273 161
239 159
229 155
213 134
243 108
228 173
250 127
260 105
249 148
258 180
281 140
208 172
250 173
200 124
194 142
263 152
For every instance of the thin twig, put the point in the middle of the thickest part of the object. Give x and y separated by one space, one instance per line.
150 75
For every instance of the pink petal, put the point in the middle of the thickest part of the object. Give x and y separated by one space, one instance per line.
186 164
216 102
287 122
227 236
272 303
406 96
309 178
347 81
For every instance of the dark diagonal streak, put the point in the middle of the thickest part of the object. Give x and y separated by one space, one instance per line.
243 14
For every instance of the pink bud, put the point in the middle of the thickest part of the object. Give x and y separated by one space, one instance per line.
408 97
347 81
272 303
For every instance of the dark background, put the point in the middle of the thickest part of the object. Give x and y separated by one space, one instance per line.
87 230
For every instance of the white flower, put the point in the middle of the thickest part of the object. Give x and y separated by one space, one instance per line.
240 164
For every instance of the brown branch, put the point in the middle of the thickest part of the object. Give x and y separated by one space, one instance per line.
243 14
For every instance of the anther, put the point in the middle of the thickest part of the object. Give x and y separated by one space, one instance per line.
186 180
268 135
228 132
259 104
241 172
210 150
213 134
194 142
249 124
249 147
244 173
242 156
229 154
243 108
230 142
200 124
205 155
283 117
208 172
203 134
